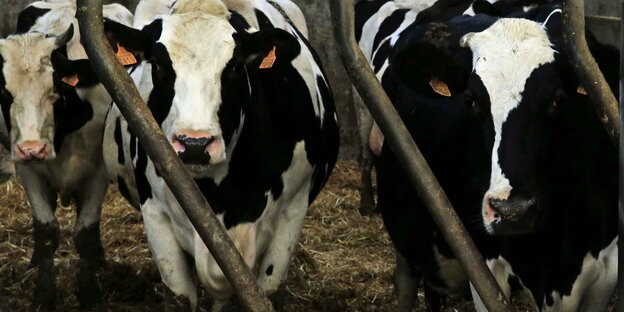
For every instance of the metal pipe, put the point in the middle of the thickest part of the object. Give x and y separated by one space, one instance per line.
124 93
411 159
620 295
587 69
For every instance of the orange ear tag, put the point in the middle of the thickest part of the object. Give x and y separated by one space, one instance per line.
581 90
269 60
71 80
125 57
440 87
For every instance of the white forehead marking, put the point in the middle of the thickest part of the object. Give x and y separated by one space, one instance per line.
198 38
504 56
27 59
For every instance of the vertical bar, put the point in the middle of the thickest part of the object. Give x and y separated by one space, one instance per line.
620 302
412 160
124 93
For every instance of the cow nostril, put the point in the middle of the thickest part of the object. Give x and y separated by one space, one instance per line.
511 210
195 142
210 140
496 204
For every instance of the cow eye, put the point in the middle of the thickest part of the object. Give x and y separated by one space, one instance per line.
470 101
556 102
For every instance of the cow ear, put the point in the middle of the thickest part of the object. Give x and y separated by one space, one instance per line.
134 41
269 47
72 73
428 70
487 8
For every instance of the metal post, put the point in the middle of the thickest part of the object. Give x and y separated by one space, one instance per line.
587 69
124 93
620 304
411 159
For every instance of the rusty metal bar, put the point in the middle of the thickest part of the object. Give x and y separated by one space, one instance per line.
124 93
586 68
411 159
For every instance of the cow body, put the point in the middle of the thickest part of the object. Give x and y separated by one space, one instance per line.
56 132
518 152
260 143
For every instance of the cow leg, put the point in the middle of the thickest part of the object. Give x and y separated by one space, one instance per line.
87 238
276 260
364 123
405 284
501 270
42 199
433 299
367 198
168 255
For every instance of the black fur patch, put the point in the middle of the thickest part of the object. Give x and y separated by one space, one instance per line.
119 141
28 17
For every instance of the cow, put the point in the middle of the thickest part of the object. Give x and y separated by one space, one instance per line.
500 116
242 97
383 21
54 113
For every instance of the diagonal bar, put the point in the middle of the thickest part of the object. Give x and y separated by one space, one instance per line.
411 159
124 93
586 68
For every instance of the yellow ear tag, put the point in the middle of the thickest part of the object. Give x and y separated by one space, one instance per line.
440 87
581 90
125 57
71 80
269 60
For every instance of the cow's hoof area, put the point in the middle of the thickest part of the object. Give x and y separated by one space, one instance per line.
367 207
88 286
176 303
44 296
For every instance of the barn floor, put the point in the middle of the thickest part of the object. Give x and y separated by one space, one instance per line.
344 261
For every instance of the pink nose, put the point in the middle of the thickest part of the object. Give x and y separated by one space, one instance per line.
491 214
31 150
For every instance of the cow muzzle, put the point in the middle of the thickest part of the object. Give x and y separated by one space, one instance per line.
509 216
198 148
33 150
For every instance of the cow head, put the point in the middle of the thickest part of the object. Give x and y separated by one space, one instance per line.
31 95
199 65
519 91
517 85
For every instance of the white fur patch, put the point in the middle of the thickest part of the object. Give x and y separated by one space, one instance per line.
594 285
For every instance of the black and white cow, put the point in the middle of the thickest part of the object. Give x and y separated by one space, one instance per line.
383 21
493 104
260 141
56 135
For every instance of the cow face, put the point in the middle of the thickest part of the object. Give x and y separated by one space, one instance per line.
515 91
29 94
516 88
199 65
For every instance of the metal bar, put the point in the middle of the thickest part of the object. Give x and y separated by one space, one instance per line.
124 93
411 159
620 293
586 68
